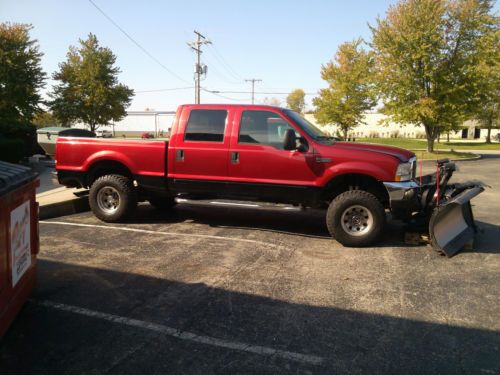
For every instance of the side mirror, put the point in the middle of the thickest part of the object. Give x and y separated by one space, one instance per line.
290 140
303 145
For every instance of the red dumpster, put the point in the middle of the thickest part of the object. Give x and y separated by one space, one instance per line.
19 242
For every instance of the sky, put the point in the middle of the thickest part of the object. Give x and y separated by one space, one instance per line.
283 43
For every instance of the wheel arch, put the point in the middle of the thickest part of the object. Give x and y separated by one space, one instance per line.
355 181
104 167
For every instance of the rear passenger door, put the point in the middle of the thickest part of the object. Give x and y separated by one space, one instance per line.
201 150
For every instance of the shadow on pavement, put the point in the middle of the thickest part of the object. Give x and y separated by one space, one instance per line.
487 238
308 223
305 223
47 341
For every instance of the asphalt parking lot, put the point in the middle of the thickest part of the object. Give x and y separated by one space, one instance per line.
211 288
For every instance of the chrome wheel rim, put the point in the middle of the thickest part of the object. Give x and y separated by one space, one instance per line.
108 199
357 220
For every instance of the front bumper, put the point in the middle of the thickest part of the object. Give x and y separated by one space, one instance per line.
410 197
403 197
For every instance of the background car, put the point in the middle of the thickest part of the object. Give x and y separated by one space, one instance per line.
104 133
147 135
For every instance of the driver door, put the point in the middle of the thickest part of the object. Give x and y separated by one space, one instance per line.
257 155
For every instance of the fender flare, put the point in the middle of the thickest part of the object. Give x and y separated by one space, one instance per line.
358 168
103 156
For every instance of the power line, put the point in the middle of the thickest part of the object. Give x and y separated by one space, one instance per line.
263 92
216 93
137 43
253 80
223 76
226 91
222 60
289 89
161 90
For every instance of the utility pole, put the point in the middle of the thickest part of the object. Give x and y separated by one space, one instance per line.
198 68
253 80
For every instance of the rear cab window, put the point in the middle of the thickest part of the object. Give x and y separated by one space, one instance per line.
206 125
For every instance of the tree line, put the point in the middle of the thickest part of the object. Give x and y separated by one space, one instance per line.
86 89
433 63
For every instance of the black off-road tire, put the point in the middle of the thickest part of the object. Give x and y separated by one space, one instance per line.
162 203
127 198
365 204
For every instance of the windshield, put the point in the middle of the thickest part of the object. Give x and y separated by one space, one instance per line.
310 129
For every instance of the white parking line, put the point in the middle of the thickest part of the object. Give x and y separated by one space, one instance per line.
125 229
188 336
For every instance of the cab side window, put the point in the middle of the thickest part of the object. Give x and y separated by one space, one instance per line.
206 125
263 127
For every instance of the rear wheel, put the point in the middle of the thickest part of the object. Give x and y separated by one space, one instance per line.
112 198
355 218
162 203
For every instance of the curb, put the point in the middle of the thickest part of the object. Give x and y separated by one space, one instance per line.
475 157
69 207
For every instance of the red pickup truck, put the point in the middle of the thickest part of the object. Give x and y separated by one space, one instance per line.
249 152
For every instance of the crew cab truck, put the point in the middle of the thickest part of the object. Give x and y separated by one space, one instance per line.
247 152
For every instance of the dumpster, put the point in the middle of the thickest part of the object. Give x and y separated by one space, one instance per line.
47 137
19 242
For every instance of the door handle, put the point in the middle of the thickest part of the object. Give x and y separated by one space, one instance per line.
323 160
235 157
179 155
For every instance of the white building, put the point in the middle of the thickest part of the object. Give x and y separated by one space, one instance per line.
375 128
135 123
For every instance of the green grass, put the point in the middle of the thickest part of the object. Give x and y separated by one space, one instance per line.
453 155
415 144
442 150
409 144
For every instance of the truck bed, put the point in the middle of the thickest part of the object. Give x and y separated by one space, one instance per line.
144 159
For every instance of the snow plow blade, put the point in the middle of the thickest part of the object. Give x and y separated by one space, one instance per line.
452 225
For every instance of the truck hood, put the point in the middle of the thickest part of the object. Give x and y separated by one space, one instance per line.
399 153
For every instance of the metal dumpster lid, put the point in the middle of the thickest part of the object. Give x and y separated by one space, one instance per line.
51 130
67 132
13 176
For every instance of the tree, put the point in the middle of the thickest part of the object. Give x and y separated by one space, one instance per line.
426 51
488 71
296 100
271 101
350 92
21 76
45 119
89 90
487 114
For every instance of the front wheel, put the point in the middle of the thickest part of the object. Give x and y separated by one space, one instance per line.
355 218
112 198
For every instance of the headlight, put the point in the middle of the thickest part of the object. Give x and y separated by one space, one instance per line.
404 172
